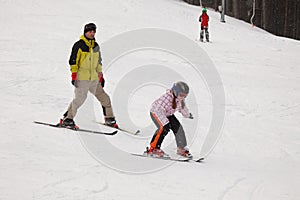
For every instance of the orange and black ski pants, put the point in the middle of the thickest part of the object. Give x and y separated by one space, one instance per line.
163 130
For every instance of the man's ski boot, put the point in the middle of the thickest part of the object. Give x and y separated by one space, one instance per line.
69 123
110 121
184 152
155 152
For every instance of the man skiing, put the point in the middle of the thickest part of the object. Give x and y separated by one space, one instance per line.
162 113
204 18
86 67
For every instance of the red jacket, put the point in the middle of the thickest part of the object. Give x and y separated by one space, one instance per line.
204 19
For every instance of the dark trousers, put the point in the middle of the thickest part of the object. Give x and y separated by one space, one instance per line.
162 131
204 29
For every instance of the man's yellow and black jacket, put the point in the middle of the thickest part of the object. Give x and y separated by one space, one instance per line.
85 59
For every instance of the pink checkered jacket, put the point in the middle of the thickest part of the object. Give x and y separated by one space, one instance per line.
162 107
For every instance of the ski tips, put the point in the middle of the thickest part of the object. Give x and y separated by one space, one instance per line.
114 133
199 160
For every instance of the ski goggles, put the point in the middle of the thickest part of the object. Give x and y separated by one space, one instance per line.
181 94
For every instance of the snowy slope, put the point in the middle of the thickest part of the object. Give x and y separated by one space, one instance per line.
257 156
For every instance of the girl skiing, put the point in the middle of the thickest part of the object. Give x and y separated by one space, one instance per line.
162 113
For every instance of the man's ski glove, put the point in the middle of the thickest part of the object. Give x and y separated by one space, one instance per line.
74 81
191 116
101 79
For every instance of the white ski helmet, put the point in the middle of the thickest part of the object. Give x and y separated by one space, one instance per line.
180 87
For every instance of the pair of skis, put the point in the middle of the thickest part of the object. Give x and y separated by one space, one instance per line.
203 41
180 159
76 128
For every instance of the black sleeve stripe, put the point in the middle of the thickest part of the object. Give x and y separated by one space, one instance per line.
78 45
73 56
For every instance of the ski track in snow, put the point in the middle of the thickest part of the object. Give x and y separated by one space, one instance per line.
230 188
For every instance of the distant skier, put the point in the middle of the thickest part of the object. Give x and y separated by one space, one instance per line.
87 76
162 114
204 18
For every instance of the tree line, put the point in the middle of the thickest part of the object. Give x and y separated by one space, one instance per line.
280 17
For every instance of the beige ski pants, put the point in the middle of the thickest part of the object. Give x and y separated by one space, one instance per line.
81 92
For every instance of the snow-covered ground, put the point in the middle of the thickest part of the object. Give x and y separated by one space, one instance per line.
256 157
